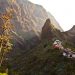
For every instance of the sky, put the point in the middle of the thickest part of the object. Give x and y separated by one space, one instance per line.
62 10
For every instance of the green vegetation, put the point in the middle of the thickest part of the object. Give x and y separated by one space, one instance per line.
43 60
69 45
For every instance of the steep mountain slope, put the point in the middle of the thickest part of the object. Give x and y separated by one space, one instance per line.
54 22
28 20
49 31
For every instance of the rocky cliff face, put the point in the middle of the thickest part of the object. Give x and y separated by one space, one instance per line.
49 31
28 20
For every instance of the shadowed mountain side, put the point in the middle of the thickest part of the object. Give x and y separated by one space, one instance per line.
70 35
49 31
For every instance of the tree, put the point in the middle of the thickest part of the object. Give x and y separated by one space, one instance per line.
5 37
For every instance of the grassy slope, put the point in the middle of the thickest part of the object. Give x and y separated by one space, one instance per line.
43 60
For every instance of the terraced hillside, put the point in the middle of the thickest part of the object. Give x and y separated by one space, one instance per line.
43 60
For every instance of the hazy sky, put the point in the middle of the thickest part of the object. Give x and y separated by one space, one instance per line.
62 10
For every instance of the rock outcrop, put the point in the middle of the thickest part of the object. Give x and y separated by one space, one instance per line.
49 31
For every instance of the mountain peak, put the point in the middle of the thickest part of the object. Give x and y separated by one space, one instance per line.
47 30
47 22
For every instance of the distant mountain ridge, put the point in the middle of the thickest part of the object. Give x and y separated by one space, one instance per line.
70 35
